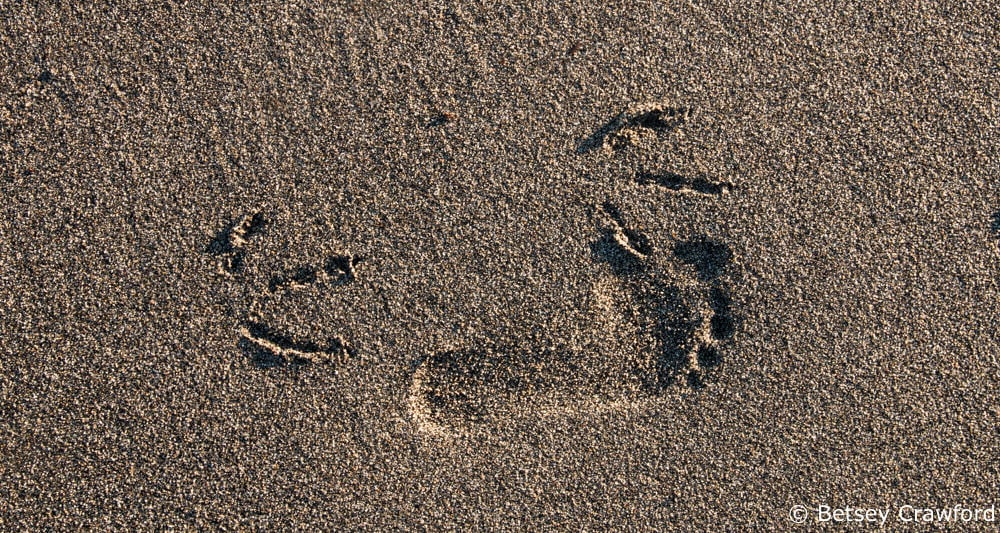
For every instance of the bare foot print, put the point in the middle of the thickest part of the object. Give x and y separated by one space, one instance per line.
673 297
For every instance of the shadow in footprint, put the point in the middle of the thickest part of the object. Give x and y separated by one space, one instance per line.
665 311
995 225
598 138
676 182
654 118
228 242
268 348
671 320
673 314
709 258
723 320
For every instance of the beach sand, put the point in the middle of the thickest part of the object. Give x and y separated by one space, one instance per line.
586 266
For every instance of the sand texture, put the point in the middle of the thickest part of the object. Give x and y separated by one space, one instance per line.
641 266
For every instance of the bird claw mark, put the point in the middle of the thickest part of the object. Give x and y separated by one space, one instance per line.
681 184
628 127
632 242
268 348
338 270
441 118
659 118
228 244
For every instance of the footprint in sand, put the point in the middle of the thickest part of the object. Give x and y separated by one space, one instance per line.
266 346
687 314
676 299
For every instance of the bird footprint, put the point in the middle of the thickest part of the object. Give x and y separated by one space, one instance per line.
265 345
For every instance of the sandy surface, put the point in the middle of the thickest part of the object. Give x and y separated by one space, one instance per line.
643 266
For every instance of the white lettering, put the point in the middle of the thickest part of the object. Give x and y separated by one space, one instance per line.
883 515
826 513
823 513
905 513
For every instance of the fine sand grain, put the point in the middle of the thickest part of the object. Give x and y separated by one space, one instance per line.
438 265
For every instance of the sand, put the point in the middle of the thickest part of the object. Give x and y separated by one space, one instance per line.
586 266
